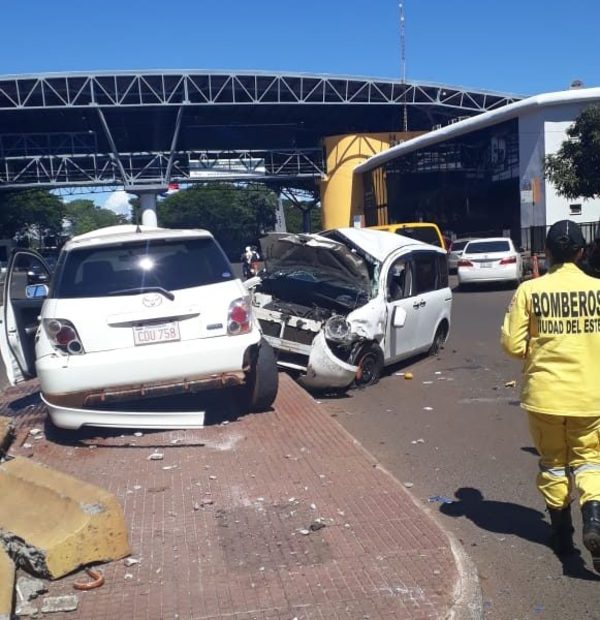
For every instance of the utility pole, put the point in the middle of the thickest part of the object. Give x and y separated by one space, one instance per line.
403 65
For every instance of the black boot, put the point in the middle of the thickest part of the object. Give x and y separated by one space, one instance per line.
561 539
590 511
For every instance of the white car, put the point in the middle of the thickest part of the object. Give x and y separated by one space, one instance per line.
492 259
455 253
133 313
339 306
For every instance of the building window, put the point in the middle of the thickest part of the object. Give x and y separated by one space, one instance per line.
575 209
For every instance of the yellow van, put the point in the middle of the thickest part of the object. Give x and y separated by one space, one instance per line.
428 232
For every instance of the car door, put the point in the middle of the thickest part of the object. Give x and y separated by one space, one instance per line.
25 287
431 293
402 314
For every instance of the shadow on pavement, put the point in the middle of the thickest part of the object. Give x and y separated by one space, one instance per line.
509 518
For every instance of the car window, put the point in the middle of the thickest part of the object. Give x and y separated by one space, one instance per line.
27 269
442 260
399 281
425 272
487 247
172 264
458 245
421 233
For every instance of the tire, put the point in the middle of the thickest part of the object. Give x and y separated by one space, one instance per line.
369 359
262 381
439 339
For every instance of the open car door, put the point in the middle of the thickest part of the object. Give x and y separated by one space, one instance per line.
25 288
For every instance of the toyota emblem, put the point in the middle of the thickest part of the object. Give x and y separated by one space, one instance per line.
152 300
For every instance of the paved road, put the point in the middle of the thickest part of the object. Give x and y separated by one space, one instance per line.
456 432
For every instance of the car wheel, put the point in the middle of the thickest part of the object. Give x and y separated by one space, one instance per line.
262 381
438 340
369 360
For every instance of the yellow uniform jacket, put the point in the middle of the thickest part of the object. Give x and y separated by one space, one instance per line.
553 324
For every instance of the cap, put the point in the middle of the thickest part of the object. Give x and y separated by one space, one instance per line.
565 235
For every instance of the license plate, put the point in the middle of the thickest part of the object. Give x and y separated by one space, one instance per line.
155 333
485 265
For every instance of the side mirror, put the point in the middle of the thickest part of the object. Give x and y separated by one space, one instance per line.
36 291
399 318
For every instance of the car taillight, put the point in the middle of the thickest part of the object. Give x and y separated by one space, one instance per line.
63 335
239 318
509 260
463 262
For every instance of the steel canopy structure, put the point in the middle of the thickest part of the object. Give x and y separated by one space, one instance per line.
145 129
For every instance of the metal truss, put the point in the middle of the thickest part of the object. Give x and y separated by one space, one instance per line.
231 88
136 170
69 158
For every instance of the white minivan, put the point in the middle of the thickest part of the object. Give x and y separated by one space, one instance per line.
132 312
340 305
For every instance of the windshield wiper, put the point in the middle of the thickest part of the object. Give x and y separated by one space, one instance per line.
144 289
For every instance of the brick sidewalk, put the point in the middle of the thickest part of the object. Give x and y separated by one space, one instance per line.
222 525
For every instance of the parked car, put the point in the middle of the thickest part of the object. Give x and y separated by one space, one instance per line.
340 305
132 313
455 251
494 259
427 232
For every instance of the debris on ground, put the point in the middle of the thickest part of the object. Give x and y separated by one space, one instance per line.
408 485
130 561
316 525
427 408
60 603
156 456
416 441
440 499
29 588
510 384
408 375
97 580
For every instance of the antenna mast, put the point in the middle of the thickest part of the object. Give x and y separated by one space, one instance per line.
403 65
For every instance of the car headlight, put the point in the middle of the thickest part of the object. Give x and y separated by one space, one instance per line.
337 328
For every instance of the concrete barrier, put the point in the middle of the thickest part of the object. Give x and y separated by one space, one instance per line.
51 523
7 584
7 430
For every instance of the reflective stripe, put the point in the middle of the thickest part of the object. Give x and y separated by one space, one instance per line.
586 467
559 472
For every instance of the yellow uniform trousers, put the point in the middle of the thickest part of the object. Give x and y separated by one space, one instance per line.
567 444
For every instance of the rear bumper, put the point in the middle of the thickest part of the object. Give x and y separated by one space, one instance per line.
507 274
73 419
84 382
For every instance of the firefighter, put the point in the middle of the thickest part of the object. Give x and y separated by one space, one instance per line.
553 325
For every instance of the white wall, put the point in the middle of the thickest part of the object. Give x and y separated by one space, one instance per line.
542 133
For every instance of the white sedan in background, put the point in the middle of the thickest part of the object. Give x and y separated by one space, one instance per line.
455 252
494 259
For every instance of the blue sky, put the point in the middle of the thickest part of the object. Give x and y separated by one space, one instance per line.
513 46
519 46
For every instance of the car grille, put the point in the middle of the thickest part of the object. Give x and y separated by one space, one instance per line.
293 334
269 328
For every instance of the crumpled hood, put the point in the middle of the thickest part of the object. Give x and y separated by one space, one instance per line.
315 254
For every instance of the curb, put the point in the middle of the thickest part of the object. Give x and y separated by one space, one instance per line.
468 601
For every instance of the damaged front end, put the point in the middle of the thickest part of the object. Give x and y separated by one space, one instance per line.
314 308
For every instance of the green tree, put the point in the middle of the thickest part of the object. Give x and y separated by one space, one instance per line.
293 217
30 211
235 215
575 167
85 215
